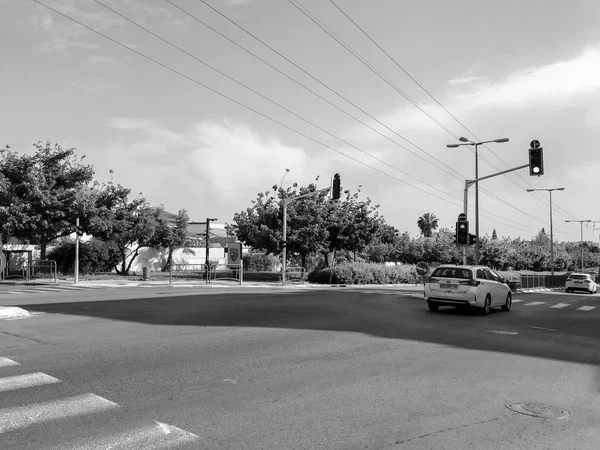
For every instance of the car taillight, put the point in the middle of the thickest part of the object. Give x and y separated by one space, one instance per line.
433 280
470 283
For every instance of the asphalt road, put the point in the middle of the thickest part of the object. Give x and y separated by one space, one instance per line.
347 368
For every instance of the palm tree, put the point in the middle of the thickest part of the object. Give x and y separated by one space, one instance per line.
427 223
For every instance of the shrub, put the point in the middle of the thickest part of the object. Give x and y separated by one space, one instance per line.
94 256
260 262
365 273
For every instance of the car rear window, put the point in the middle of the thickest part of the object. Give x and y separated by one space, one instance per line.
452 272
579 277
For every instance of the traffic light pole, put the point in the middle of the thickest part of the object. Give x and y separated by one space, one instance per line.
468 184
286 202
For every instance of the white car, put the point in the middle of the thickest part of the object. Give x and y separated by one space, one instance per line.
581 282
467 286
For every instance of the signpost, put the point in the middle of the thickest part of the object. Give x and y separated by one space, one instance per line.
422 270
234 258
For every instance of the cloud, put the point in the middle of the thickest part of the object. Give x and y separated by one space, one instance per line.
131 123
464 80
236 2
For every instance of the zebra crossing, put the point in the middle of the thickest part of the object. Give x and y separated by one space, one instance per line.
46 288
560 305
24 418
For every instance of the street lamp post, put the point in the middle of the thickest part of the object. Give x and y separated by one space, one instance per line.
551 232
465 141
581 223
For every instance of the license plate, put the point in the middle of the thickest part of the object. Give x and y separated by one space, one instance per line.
577 282
448 286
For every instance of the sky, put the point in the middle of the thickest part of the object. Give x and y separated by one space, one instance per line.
206 115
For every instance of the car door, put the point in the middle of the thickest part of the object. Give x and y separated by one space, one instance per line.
500 289
485 284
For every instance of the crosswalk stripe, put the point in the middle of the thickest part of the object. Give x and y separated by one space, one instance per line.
534 303
25 381
586 308
560 305
24 416
153 437
5 362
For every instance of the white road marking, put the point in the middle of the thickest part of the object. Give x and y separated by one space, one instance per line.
25 381
153 437
542 328
517 300
23 416
502 332
560 305
586 308
534 303
5 362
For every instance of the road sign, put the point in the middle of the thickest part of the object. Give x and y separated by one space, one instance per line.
422 268
462 217
535 144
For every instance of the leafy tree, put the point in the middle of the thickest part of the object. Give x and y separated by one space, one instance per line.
94 256
173 236
130 225
42 195
494 235
427 223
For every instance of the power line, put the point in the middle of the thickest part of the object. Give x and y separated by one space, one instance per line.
310 75
233 100
442 106
317 80
263 96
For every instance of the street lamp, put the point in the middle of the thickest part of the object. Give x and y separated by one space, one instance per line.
581 222
465 141
284 175
551 233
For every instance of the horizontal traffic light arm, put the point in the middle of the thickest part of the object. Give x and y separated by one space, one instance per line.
469 183
289 200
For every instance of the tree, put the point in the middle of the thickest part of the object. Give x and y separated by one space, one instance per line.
131 225
173 236
494 235
427 223
42 195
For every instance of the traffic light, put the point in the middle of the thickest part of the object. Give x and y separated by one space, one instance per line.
472 239
79 230
336 187
536 161
462 233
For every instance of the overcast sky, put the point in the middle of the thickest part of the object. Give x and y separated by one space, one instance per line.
484 70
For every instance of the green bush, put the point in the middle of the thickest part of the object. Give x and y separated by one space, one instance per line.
365 273
260 262
94 256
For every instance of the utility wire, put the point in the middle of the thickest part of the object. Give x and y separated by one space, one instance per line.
329 88
263 96
230 98
442 106
318 81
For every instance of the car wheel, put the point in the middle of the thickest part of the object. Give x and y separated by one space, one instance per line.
433 306
487 305
567 290
507 305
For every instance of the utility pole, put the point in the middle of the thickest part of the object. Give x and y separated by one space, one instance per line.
207 243
581 239
76 276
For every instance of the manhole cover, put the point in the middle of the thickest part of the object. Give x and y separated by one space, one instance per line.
538 410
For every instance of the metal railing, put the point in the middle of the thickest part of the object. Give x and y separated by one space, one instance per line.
188 269
533 280
43 264
294 274
236 271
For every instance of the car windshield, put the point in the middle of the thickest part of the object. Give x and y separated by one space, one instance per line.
578 277
452 272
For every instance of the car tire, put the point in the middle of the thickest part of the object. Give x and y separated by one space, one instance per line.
508 304
433 306
487 305
567 290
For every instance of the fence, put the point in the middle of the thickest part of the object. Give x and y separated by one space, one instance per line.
232 272
196 271
44 267
295 274
533 280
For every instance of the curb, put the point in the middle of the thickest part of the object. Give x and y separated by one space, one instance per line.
10 312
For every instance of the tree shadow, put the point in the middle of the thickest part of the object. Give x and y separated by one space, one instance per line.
397 317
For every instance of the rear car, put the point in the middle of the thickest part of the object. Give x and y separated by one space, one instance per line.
467 286
581 282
